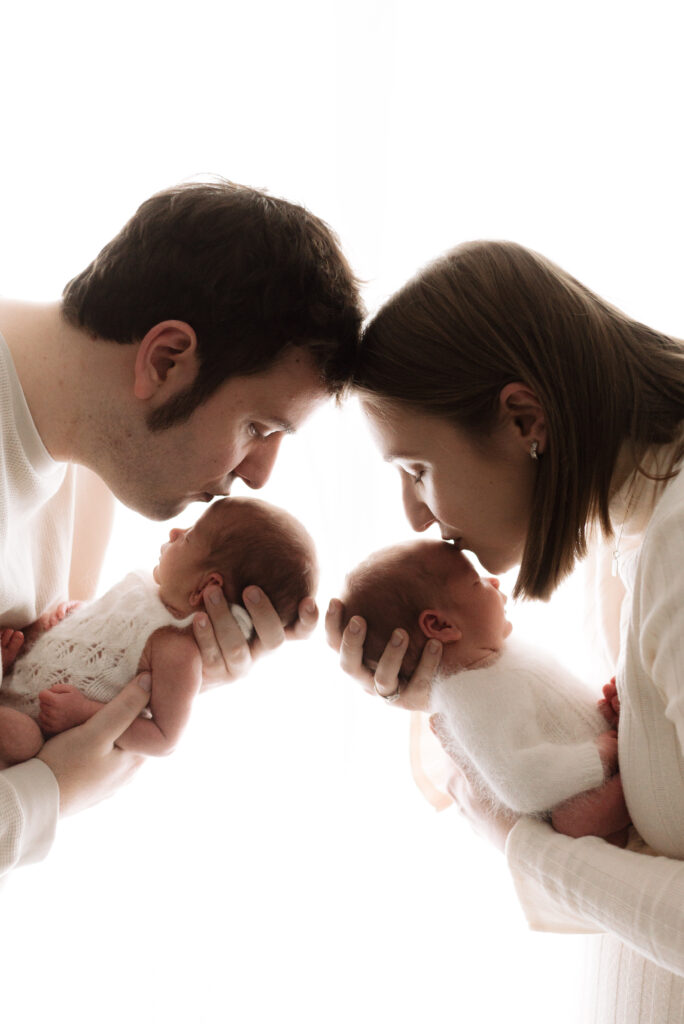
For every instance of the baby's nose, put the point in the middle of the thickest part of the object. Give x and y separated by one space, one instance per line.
494 582
174 533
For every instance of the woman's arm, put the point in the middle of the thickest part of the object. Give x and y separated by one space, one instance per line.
638 898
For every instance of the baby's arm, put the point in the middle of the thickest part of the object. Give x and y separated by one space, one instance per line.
597 812
175 664
176 668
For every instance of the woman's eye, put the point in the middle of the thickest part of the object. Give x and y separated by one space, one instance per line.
417 477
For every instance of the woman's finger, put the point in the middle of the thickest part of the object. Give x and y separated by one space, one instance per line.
266 620
418 687
351 652
389 666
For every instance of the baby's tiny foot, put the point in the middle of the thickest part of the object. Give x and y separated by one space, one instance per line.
62 707
61 612
11 642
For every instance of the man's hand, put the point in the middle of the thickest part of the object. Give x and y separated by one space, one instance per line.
226 655
385 680
86 762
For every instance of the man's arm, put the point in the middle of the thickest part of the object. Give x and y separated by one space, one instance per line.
72 771
93 520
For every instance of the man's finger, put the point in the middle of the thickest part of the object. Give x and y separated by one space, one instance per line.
266 620
228 644
306 619
115 717
333 624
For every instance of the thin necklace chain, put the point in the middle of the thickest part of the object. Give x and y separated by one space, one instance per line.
616 550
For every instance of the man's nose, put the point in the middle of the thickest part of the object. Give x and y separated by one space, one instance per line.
256 467
418 514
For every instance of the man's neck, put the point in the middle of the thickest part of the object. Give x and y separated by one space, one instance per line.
65 375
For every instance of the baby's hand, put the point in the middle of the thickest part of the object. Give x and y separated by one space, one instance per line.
48 620
608 752
11 642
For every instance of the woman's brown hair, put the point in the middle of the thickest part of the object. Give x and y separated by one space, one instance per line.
487 314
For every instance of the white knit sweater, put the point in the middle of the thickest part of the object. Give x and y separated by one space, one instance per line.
586 884
36 526
525 726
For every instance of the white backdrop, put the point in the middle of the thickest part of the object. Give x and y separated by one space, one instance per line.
282 864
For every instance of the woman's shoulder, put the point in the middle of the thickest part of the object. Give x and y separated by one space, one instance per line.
667 519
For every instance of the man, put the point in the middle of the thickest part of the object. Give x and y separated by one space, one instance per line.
210 327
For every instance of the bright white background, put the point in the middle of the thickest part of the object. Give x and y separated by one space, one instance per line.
282 865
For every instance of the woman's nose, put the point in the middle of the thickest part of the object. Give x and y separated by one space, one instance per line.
418 514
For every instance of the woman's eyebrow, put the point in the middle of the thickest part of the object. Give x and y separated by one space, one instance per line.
400 457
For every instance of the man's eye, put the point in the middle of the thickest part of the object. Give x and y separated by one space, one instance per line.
254 431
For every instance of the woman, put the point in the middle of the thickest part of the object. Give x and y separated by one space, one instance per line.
529 420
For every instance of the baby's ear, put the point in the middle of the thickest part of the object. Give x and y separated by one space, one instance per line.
436 626
207 580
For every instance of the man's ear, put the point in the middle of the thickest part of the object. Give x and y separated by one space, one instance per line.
166 363
519 406
207 580
436 626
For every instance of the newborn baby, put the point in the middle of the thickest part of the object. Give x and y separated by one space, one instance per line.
144 624
523 729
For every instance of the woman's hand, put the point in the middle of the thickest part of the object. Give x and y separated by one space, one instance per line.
226 655
489 823
384 681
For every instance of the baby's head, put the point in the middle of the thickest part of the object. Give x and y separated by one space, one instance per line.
238 542
430 589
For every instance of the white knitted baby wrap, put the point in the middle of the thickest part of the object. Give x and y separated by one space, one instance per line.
97 648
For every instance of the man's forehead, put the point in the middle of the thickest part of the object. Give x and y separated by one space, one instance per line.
294 382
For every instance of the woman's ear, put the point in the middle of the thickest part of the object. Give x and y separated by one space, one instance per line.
208 579
166 362
436 626
519 406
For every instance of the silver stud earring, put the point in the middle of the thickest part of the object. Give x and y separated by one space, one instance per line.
533 450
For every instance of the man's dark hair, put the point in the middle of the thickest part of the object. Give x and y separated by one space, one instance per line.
252 275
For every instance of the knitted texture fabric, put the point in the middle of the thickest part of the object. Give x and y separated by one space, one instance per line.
36 529
586 884
524 727
96 649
